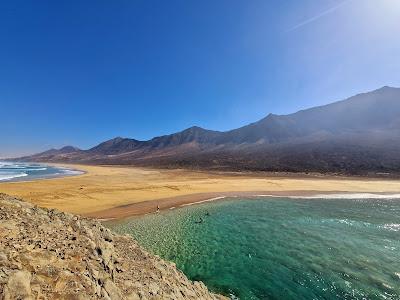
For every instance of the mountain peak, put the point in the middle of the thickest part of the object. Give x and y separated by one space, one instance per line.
386 88
69 148
269 117
115 145
195 129
309 139
116 139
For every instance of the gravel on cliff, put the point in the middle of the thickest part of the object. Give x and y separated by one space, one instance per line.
48 254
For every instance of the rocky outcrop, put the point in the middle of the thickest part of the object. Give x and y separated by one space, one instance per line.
48 254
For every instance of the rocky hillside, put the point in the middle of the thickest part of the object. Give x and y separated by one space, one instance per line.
47 254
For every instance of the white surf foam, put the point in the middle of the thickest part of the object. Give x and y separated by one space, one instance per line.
19 166
392 227
340 196
72 172
5 165
203 201
35 169
11 170
9 176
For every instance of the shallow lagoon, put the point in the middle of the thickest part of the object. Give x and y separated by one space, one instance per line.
281 248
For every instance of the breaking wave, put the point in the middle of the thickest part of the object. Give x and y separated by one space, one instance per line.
12 171
340 196
5 177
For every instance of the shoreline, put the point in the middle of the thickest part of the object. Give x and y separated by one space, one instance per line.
105 192
148 207
246 173
45 177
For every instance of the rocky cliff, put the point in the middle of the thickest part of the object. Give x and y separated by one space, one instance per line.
48 254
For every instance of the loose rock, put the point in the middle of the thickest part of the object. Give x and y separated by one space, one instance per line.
47 254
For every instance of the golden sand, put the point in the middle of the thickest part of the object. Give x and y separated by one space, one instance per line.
106 192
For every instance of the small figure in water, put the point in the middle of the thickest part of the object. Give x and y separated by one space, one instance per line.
207 214
158 208
200 221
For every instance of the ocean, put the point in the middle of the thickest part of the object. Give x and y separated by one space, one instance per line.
325 247
15 171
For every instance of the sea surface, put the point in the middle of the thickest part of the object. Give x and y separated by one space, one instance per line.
282 248
14 171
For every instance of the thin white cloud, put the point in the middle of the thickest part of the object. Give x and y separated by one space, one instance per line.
320 15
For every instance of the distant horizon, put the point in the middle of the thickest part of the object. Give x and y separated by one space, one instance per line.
79 73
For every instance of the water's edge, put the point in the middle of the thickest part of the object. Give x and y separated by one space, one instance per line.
25 172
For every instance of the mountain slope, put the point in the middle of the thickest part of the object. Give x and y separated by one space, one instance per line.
116 146
193 134
377 110
52 154
358 135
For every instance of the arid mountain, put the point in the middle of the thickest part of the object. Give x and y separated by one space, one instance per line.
63 150
115 146
359 135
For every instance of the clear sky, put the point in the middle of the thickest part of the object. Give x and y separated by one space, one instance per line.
80 72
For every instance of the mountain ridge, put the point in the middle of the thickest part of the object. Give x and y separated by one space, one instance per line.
364 123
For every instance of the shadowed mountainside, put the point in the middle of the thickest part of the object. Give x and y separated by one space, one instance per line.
359 135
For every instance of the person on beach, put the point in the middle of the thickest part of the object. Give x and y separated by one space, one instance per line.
158 208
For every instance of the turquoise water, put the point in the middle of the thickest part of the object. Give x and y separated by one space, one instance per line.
280 248
18 171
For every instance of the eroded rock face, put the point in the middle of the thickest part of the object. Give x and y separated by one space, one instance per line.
47 254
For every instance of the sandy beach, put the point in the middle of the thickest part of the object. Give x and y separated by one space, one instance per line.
116 192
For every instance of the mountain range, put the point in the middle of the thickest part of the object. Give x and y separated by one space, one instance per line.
359 135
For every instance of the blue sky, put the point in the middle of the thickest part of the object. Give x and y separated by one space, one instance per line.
80 72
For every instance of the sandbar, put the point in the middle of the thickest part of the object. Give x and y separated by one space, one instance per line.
106 192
